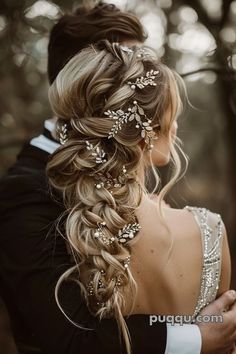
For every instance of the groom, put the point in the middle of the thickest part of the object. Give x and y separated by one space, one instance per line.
32 257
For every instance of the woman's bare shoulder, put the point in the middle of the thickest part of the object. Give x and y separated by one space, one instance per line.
181 219
192 215
178 222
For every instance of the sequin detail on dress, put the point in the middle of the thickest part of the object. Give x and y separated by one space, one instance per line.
211 234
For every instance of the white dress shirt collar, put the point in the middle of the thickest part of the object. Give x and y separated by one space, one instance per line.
44 143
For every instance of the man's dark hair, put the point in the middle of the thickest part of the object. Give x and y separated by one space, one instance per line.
84 26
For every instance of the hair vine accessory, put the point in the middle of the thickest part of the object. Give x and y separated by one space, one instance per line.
142 53
107 181
143 81
120 117
98 154
99 234
62 131
134 113
127 262
126 49
90 287
127 233
118 280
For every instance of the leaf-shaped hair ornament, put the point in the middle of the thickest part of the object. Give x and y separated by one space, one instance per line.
120 117
127 233
98 154
134 113
143 81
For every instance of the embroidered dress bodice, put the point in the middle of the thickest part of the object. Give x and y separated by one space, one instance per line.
210 225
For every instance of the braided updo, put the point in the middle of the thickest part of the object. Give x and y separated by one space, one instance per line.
93 82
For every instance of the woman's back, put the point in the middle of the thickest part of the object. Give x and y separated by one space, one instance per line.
172 286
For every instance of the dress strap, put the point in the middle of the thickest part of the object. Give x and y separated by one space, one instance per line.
211 235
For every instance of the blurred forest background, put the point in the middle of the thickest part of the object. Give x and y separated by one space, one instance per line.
197 38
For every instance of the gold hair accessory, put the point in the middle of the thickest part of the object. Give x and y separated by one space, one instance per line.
143 81
127 262
90 287
126 49
134 113
106 180
98 154
100 235
128 232
124 235
141 52
118 280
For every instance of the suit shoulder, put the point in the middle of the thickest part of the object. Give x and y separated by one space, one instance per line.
25 188
16 183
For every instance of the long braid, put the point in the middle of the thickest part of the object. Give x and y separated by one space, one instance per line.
93 82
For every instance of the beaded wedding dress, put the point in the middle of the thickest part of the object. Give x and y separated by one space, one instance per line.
211 227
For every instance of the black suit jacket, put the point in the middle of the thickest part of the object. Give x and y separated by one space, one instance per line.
33 256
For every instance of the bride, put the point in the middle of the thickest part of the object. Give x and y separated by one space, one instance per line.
118 110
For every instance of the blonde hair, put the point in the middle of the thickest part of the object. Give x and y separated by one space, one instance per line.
92 82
